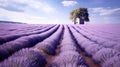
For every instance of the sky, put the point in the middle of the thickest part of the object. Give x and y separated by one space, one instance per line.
58 11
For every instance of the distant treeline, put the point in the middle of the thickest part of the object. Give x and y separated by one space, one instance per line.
12 22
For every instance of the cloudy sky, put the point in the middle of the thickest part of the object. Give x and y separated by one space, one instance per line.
58 11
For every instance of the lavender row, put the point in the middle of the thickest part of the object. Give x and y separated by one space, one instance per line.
25 58
27 41
15 35
94 29
106 29
111 29
30 29
103 42
33 61
98 53
4 39
93 32
49 44
15 29
19 29
69 56
67 43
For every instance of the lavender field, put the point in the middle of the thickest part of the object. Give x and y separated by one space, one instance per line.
50 45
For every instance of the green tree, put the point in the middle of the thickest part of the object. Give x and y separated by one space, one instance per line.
81 13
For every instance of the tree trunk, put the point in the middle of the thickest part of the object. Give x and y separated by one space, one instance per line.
74 20
81 21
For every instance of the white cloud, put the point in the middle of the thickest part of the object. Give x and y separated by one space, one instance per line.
41 6
34 12
26 18
48 9
21 5
20 17
12 5
104 15
107 11
69 3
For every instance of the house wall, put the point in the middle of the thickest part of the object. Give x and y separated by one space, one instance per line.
78 21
